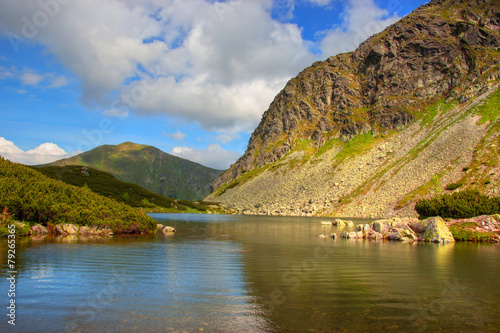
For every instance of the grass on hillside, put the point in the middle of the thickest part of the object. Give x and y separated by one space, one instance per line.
105 184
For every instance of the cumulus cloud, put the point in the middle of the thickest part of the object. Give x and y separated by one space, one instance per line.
219 64
213 156
203 61
45 153
362 19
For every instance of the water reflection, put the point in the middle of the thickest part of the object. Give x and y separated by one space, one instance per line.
253 274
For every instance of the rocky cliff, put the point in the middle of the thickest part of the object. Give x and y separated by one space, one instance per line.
412 88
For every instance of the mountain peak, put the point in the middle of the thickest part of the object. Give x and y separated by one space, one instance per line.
149 167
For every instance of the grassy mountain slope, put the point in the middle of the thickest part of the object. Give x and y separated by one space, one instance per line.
33 197
412 112
149 168
106 184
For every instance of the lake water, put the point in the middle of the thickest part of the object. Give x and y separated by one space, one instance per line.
250 274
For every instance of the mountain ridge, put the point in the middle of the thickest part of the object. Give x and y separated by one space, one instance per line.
148 167
382 104
383 84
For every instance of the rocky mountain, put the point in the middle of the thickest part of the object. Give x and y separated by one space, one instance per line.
150 168
367 133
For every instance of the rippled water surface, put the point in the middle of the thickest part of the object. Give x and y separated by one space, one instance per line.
251 274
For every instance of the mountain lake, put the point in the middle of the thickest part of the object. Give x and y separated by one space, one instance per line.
227 273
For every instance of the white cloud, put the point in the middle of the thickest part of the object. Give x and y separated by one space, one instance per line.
31 79
5 73
50 80
210 62
218 64
321 2
45 153
179 136
213 156
115 113
363 19
226 138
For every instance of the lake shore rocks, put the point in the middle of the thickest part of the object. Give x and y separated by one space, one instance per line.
68 229
407 230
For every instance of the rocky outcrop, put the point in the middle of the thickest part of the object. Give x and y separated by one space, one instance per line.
409 98
406 230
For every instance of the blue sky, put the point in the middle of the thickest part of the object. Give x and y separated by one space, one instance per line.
190 77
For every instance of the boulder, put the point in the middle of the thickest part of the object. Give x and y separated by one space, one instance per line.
419 226
67 229
436 231
39 229
381 226
342 223
402 233
168 230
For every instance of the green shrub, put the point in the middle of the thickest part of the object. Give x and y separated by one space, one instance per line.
464 204
453 186
33 197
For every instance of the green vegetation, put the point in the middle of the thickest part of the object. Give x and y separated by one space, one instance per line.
105 184
489 110
358 145
150 168
466 232
32 197
453 186
464 204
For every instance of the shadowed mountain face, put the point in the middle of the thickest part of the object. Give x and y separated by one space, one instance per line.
150 168
445 53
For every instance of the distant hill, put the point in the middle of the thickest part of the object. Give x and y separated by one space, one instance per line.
33 197
149 168
107 185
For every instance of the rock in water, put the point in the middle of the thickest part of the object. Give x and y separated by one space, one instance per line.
168 230
436 231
